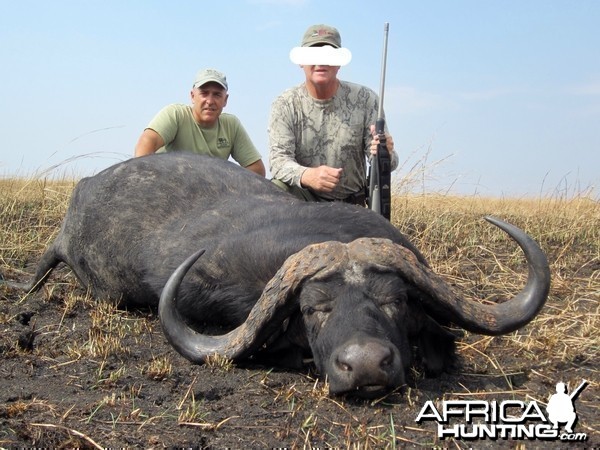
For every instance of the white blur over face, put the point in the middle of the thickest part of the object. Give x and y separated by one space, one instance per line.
320 56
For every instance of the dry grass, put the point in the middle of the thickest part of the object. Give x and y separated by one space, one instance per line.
31 212
477 258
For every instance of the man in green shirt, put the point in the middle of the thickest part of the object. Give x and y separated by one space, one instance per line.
322 132
202 127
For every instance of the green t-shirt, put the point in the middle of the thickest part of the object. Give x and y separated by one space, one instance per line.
176 125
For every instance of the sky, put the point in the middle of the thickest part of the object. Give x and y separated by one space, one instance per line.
489 98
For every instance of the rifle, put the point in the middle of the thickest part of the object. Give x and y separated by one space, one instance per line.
578 390
379 177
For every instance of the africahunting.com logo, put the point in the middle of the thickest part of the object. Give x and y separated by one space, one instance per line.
508 419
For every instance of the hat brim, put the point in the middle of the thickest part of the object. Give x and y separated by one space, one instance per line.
201 83
320 56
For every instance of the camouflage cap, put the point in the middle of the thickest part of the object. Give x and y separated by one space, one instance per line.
210 76
321 34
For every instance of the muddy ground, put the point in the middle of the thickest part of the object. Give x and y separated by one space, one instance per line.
53 394
75 372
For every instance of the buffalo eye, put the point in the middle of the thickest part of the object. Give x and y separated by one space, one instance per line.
393 307
315 317
390 309
308 310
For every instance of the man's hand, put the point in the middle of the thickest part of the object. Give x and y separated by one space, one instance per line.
375 142
321 179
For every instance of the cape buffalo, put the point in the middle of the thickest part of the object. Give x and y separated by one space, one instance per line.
277 277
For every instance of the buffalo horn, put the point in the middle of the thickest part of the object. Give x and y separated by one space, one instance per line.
443 304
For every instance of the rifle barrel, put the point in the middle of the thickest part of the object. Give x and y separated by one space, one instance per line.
386 28
578 390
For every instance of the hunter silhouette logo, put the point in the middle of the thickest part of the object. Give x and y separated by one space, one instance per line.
560 407
507 419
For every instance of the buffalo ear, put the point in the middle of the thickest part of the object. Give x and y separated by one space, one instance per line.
284 354
288 348
436 347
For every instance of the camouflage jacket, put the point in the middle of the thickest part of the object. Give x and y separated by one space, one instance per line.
306 132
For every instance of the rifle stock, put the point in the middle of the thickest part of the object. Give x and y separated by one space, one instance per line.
384 169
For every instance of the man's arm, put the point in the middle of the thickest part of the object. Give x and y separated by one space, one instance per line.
282 144
257 167
148 143
244 152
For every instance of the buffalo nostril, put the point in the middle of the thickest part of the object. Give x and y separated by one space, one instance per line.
365 367
345 367
363 357
387 360
345 361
